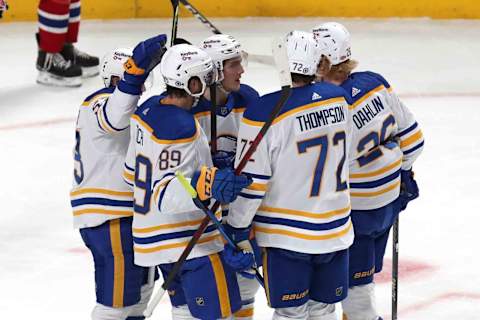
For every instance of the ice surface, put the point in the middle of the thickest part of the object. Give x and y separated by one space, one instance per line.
45 271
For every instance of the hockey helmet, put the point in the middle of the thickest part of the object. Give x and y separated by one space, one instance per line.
222 47
337 39
112 64
183 62
304 52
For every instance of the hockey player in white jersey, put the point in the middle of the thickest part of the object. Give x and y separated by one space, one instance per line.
166 138
102 203
232 97
386 141
299 202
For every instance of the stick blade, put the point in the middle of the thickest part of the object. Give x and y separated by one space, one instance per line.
279 52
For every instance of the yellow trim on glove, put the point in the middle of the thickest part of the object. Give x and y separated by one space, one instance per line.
205 182
131 68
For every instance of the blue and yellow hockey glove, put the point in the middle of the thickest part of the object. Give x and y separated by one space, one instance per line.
241 258
146 56
220 184
408 188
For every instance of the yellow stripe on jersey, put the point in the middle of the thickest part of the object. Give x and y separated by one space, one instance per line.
303 236
173 245
191 223
376 193
98 96
258 186
365 97
221 281
294 111
128 176
103 123
101 191
103 211
376 172
412 139
118 263
323 215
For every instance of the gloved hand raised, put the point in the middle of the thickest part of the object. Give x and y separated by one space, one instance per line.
146 56
220 184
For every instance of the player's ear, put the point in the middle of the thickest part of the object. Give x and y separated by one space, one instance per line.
195 85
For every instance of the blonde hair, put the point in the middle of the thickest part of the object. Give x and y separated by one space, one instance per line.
342 69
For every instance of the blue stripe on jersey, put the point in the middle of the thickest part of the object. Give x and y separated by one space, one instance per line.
162 194
376 183
75 12
130 169
418 146
130 184
248 301
249 196
408 130
171 236
301 224
101 201
106 118
53 23
257 176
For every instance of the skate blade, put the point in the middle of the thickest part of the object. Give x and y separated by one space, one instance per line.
49 79
89 72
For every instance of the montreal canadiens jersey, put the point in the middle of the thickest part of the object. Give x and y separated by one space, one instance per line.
164 139
99 193
386 139
228 116
299 199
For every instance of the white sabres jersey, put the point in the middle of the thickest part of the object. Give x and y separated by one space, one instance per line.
228 116
99 193
386 139
299 200
166 138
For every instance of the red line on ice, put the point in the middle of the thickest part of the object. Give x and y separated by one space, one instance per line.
36 124
432 301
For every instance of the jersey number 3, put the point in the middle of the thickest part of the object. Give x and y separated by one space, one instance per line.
323 143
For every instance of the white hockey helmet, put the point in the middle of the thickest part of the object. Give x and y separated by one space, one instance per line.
112 64
182 62
222 47
303 52
337 39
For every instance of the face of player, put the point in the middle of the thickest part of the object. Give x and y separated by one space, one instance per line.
232 72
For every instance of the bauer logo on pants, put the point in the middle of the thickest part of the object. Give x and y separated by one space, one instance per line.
200 301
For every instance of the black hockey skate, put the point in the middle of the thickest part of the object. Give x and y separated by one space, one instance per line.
88 63
54 70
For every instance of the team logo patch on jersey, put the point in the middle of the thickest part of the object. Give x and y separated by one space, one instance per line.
355 91
316 96
223 111
199 301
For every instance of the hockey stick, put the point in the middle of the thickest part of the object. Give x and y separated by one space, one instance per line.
281 59
176 7
193 193
260 58
213 119
395 270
